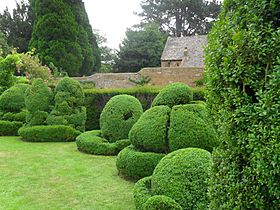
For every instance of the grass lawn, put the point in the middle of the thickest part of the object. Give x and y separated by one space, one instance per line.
55 176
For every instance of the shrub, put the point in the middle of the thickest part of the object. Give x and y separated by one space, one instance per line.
134 164
174 94
188 129
69 100
161 202
150 131
10 116
91 142
48 133
8 128
12 100
183 176
118 116
142 192
243 77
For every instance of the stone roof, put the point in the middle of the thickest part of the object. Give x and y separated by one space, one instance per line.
175 48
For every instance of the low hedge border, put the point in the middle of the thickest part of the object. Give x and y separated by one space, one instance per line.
134 164
48 133
91 142
8 128
96 99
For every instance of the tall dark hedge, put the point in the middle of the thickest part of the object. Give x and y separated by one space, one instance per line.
60 37
243 82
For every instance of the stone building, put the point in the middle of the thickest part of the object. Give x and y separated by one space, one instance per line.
184 51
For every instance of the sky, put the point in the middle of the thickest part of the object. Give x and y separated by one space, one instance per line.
111 17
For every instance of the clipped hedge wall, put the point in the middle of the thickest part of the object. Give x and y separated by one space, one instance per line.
91 142
8 128
96 99
134 164
48 133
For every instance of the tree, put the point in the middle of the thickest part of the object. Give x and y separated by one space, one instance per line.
60 36
17 27
243 82
181 17
4 47
141 48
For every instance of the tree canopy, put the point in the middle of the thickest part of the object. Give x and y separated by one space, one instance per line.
141 48
181 17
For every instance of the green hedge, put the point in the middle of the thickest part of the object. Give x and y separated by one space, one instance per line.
96 99
118 116
161 202
8 128
91 142
134 164
142 192
48 133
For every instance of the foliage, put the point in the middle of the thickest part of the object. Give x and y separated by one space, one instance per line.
161 202
4 47
143 80
68 109
149 132
17 27
188 129
242 71
11 116
48 133
174 94
183 176
180 18
38 99
8 128
134 164
92 142
142 192
118 116
62 36
141 48
12 100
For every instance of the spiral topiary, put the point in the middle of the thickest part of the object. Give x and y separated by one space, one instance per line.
118 116
174 94
181 177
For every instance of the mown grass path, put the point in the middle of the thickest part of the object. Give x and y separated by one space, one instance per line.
55 176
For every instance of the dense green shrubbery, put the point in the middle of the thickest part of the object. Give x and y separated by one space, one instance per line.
174 94
48 133
8 128
149 133
118 116
69 109
91 142
134 164
189 128
243 82
96 99
182 176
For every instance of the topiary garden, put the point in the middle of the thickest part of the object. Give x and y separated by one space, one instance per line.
165 128
118 116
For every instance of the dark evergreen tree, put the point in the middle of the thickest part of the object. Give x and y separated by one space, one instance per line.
141 48
60 37
243 82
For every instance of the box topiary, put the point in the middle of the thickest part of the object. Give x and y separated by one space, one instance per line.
8 128
48 133
118 116
134 164
174 94
91 142
181 176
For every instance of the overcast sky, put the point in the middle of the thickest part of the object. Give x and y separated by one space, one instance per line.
111 17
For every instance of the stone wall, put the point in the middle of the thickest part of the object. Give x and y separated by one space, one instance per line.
159 76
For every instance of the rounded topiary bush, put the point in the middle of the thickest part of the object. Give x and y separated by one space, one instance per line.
149 133
91 142
12 100
174 94
48 133
8 128
118 116
189 129
161 202
183 176
134 164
